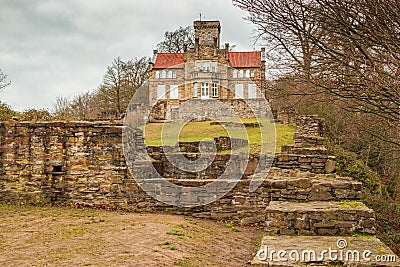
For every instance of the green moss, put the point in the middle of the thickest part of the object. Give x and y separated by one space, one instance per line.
351 204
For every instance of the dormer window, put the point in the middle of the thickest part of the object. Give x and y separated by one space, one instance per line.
169 74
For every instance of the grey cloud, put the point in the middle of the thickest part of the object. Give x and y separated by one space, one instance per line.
62 48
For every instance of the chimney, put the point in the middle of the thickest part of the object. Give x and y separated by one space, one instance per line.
263 56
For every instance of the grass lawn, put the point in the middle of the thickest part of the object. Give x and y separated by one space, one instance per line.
197 131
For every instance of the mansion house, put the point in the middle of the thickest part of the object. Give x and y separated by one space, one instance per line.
206 72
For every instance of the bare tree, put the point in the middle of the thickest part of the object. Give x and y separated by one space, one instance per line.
177 41
120 82
3 80
348 49
285 26
62 109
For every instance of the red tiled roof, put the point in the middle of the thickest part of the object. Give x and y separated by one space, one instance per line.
245 59
236 59
167 60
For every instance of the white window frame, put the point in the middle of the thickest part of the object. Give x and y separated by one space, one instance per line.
209 35
195 89
169 74
174 74
198 66
157 75
252 73
203 36
214 66
161 94
173 92
239 91
206 66
235 74
163 74
252 91
214 89
247 74
240 74
205 90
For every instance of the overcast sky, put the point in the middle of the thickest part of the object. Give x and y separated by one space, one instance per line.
61 48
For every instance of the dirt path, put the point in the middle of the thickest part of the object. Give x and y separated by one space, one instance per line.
37 236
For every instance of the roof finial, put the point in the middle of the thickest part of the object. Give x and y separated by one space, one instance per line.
200 16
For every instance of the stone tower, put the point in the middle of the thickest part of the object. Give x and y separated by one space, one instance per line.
207 38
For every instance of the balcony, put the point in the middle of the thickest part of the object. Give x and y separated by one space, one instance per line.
204 75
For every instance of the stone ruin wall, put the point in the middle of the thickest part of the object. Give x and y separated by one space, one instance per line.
83 163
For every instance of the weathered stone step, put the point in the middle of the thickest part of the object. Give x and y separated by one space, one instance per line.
294 251
319 218
305 186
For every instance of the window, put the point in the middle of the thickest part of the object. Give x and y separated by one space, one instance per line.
157 74
160 91
235 74
213 66
198 66
247 74
169 74
215 89
174 74
173 92
195 89
239 91
240 74
203 36
252 90
204 90
252 74
206 66
209 35
163 74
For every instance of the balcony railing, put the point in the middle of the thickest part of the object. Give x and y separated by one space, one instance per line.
205 75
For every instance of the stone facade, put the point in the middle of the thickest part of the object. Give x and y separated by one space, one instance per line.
206 72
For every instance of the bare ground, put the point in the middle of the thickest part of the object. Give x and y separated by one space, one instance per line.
62 236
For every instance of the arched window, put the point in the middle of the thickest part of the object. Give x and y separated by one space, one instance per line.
240 74
163 74
203 36
247 74
252 74
169 74
209 35
157 74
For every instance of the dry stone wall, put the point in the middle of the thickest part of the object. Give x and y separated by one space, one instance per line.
83 163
